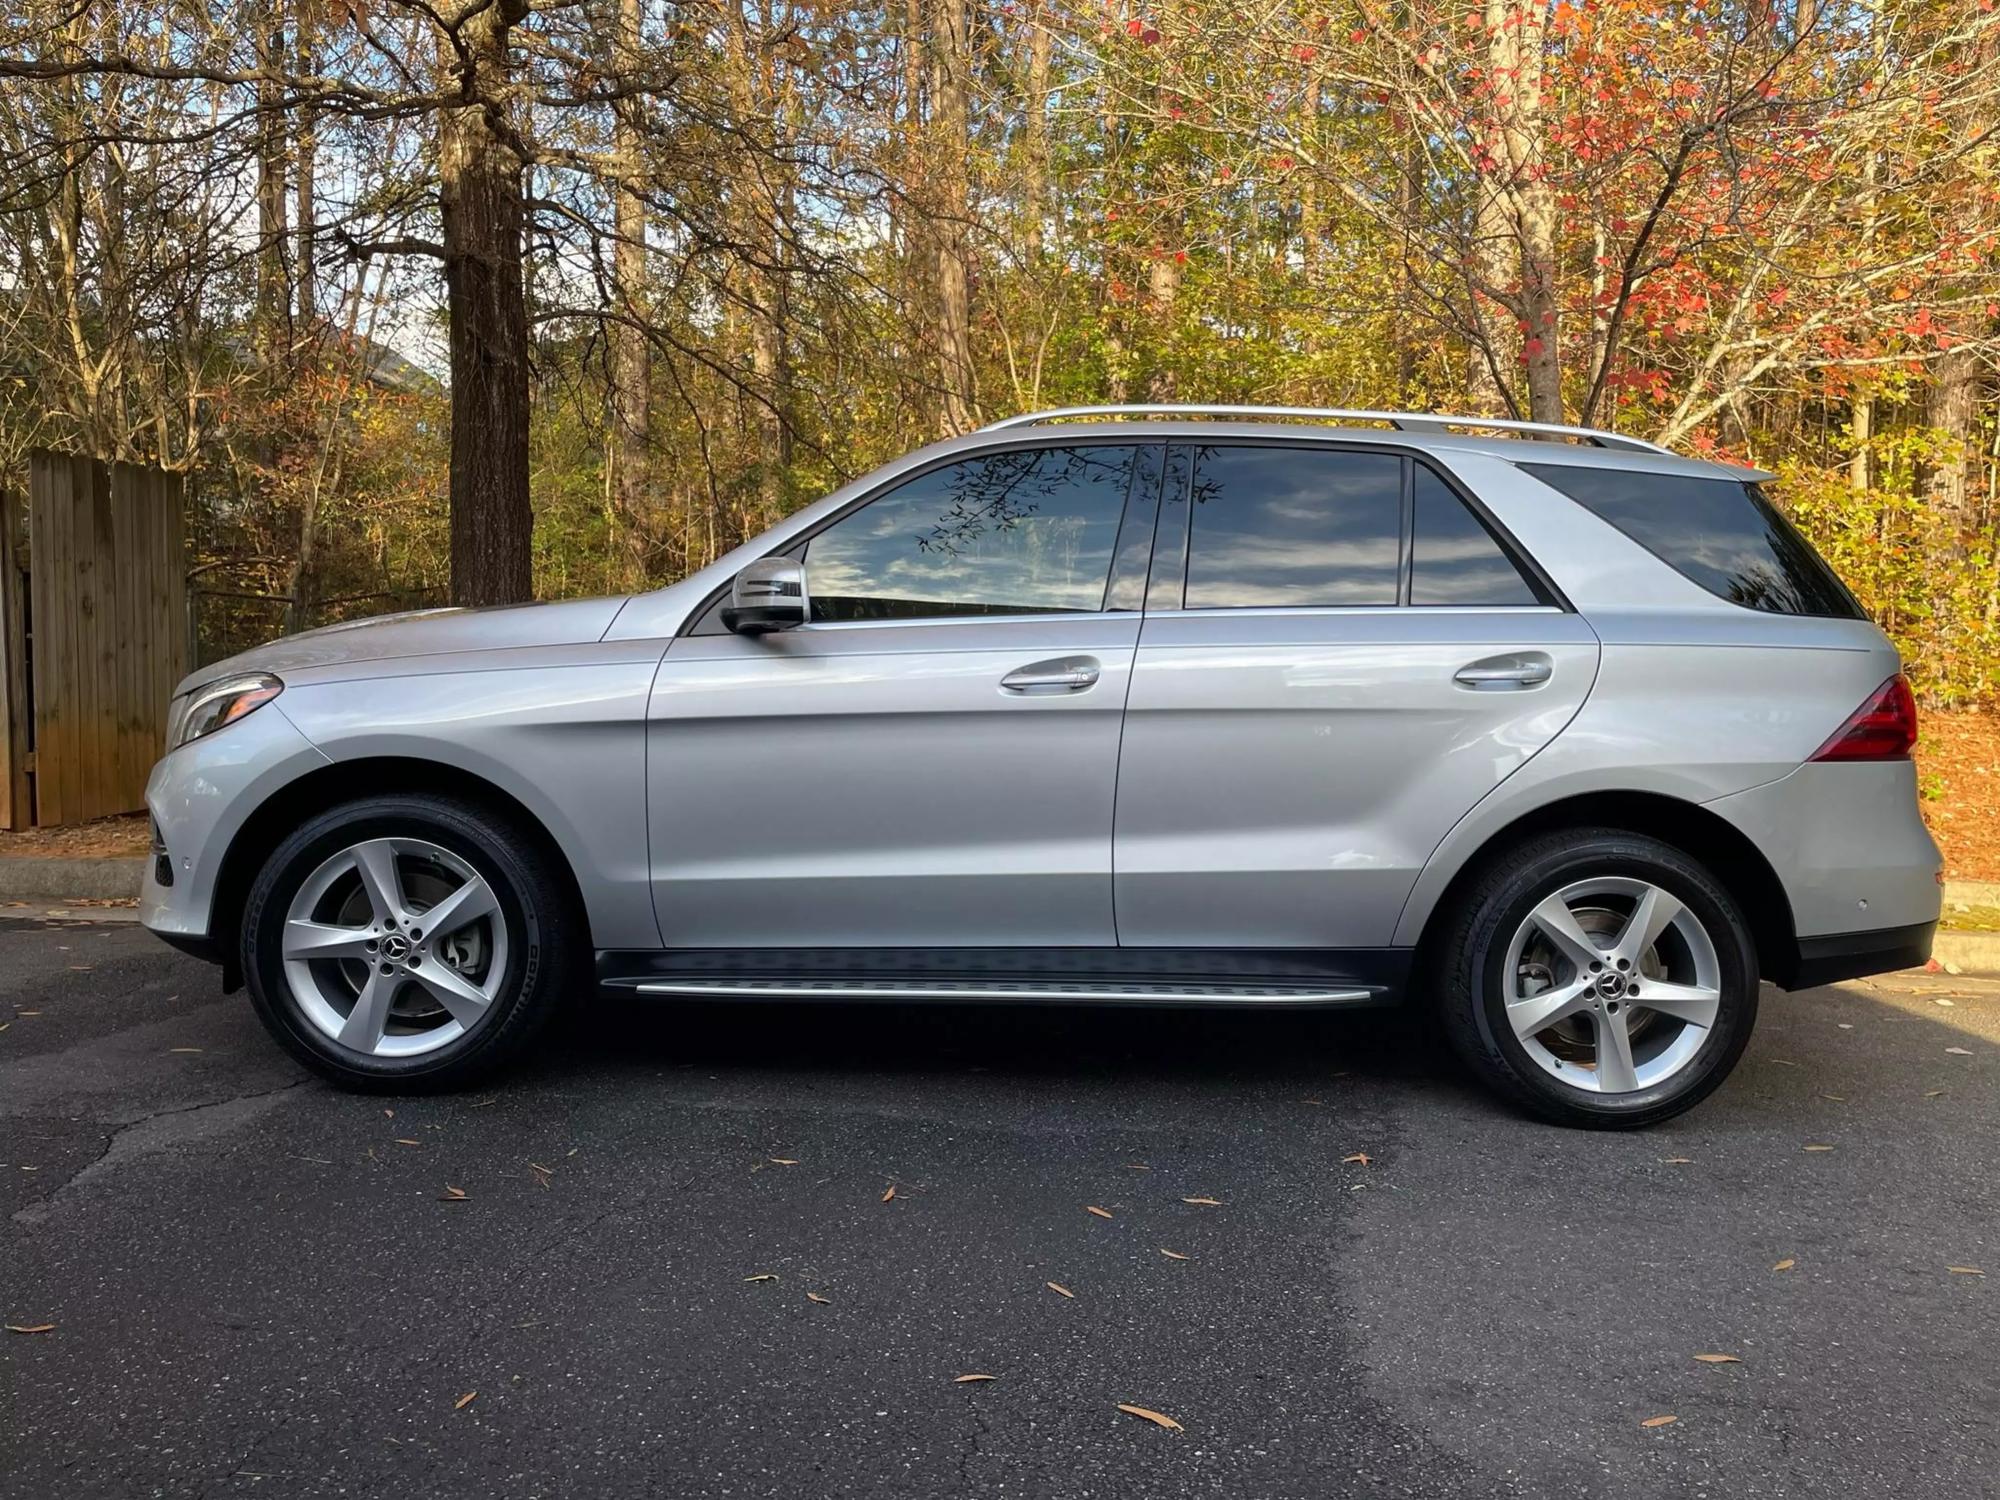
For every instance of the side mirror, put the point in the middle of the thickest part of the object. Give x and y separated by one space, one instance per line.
769 594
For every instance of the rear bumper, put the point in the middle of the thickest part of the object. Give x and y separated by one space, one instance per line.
1850 955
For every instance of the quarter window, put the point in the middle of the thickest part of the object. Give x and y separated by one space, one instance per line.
1029 531
1286 527
1455 560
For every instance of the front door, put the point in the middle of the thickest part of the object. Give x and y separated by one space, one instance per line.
1339 659
932 760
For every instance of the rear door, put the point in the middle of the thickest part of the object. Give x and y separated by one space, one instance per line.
1340 656
930 762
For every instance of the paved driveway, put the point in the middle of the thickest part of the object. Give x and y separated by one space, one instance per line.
678 1269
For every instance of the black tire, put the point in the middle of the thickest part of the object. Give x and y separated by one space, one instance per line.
1472 956
544 940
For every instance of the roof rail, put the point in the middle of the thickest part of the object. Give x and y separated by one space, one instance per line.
1402 421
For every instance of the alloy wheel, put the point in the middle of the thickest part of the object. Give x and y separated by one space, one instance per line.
1612 985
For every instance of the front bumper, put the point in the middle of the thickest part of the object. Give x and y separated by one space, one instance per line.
200 796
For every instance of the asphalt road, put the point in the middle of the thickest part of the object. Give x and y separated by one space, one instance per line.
259 1286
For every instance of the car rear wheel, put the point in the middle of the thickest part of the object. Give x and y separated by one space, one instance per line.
405 943
1599 978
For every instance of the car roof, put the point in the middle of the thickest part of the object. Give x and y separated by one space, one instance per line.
1513 450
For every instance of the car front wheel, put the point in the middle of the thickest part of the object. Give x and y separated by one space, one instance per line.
405 943
1599 978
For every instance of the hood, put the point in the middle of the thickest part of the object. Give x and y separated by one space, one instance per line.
423 632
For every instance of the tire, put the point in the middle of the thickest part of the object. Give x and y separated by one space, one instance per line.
353 1000
1576 1072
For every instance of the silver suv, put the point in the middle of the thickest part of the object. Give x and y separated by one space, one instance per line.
1562 735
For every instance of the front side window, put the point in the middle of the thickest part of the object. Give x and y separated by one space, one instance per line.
1293 527
1031 531
1720 533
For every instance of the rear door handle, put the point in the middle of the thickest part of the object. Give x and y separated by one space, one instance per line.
1502 673
1063 674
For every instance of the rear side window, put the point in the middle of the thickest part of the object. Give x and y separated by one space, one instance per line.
1455 560
1721 533
1023 532
1290 527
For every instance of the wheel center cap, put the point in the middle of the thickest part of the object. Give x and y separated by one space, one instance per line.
1611 985
395 947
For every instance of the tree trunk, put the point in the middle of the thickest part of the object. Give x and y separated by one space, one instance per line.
1517 72
630 350
761 274
305 152
273 298
1035 150
480 182
1163 285
1951 408
951 66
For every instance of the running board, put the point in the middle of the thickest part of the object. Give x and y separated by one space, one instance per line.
1098 992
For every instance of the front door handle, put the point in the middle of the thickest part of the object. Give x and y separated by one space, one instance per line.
1063 674
1502 673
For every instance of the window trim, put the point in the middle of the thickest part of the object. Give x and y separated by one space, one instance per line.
705 618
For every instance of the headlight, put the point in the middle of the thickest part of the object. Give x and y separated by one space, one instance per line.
222 702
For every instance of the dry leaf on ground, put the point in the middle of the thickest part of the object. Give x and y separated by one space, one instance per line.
31 1327
1172 1254
1785 1265
1204 1202
1092 1208
1158 1419
1949 1051
1965 1270
453 1195
782 1161
184 1049
1659 1421
463 1401
1059 1289
1677 1161
968 1379
762 1276
816 1297
1719 1359
1360 1158
889 1192
403 1140
1817 1148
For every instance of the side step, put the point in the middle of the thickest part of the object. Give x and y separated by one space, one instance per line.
1093 992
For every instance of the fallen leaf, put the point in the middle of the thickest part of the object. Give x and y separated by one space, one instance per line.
1137 1166
1965 1270
889 1192
1360 1158
1780 1062
1846 1025
782 1161
762 1276
1677 1161
1816 1148
27 1013
184 1049
1836 1098
968 1379
403 1140
1719 1359
1158 1419
1936 1093
1785 1265
1102 1213
1659 1421
389 1113
1949 1051
1060 1290
1172 1254
1200 1202
1947 1004
463 1401
452 1195
31 1327
816 1297
540 1168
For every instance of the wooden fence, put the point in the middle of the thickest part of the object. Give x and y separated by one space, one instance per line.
105 638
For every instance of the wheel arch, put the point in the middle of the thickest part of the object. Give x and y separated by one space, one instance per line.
349 780
1726 850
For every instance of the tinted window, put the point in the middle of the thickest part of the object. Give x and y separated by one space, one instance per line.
1721 533
1030 531
1454 558
1293 526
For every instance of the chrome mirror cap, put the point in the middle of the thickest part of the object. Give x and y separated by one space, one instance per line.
769 594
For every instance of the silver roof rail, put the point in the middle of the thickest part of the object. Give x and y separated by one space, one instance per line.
1402 421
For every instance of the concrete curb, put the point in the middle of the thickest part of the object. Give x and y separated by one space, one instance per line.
28 877
1967 952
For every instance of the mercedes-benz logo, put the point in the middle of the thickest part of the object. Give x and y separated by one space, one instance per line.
1611 984
395 947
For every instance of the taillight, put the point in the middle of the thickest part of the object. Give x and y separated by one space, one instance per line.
1883 728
